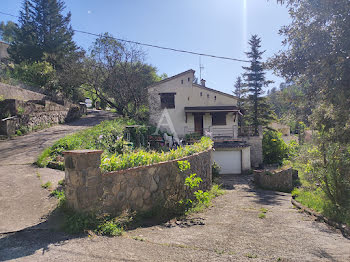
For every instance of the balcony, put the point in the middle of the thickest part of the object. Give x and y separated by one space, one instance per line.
234 133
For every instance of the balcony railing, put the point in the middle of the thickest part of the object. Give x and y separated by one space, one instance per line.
224 132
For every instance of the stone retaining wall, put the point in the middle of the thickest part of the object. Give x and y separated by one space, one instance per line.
142 188
19 93
279 180
34 113
256 151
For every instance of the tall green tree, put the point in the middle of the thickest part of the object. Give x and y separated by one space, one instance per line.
318 57
7 31
117 74
44 33
257 109
239 92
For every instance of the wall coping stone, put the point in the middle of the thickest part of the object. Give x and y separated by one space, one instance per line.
155 164
82 152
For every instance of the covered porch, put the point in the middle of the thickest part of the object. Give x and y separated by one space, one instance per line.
215 121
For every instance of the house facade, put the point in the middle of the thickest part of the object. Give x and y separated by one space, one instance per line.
182 107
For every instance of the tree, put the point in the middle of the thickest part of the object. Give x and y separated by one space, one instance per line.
239 92
258 110
117 74
318 41
318 58
7 31
44 33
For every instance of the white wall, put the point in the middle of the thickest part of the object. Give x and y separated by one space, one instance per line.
187 95
246 159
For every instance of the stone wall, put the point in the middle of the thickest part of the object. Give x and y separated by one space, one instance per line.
256 151
19 93
142 188
34 113
279 180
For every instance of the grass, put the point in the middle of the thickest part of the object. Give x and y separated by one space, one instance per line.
47 185
138 238
249 255
262 216
263 210
314 199
105 136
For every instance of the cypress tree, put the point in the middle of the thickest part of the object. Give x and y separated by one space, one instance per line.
45 31
258 110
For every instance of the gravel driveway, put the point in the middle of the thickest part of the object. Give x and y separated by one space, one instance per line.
23 202
228 231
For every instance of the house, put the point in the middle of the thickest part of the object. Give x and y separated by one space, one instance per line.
184 108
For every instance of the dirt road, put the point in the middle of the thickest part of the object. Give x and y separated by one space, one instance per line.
23 202
231 230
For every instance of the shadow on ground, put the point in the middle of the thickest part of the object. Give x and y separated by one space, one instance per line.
246 183
30 240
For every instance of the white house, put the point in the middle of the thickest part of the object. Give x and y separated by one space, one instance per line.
181 107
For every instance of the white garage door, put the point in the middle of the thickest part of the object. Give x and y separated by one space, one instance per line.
229 161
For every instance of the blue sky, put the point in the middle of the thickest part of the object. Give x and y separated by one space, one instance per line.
218 27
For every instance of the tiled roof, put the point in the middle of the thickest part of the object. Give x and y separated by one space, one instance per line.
172 77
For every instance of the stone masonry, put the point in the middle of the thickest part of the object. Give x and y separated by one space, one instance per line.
141 188
279 180
16 113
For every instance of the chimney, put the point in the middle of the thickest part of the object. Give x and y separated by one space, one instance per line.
202 82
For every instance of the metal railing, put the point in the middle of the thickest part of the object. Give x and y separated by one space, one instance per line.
224 132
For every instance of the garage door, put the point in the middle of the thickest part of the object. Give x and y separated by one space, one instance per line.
229 161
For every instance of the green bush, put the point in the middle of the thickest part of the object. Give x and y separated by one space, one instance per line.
141 157
40 74
215 168
107 136
274 148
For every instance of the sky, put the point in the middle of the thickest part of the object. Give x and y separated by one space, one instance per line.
218 27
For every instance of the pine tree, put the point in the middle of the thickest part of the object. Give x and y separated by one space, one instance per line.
257 108
23 47
239 92
45 31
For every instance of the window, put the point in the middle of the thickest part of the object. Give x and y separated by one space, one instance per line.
215 98
219 119
207 95
182 82
188 79
201 93
167 100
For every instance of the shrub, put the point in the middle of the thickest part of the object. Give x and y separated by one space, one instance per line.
142 157
215 168
200 198
40 74
274 148
107 136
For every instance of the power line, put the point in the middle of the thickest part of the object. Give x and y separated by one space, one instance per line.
9 14
155 46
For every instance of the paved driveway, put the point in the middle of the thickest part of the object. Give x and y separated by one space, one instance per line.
23 203
229 231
